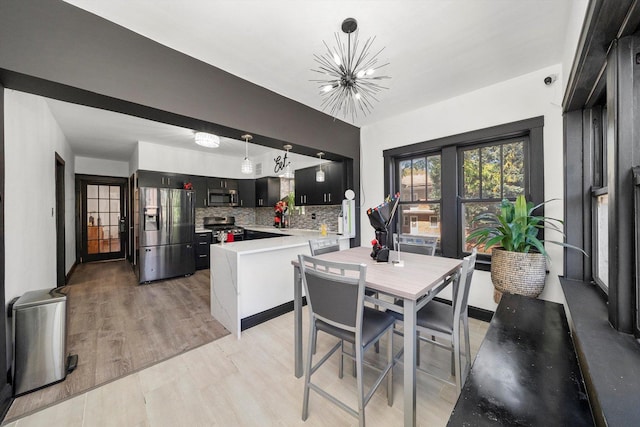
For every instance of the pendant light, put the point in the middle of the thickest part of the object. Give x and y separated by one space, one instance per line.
320 172
288 172
247 164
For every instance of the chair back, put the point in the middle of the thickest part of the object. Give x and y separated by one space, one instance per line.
461 297
335 291
323 246
425 245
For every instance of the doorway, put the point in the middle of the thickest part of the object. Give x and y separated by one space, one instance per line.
103 217
61 273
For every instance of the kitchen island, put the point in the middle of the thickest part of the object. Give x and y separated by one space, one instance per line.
252 279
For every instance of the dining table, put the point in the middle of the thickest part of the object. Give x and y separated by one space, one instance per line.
415 280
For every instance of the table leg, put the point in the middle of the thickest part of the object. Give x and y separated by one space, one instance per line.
409 363
297 321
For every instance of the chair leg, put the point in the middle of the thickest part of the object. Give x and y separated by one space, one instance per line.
390 361
467 348
341 367
354 362
359 359
307 375
456 354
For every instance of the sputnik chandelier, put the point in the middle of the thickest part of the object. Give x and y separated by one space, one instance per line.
350 82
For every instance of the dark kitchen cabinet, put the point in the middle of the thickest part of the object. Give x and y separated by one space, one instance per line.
330 192
267 191
222 183
247 193
202 250
200 187
161 179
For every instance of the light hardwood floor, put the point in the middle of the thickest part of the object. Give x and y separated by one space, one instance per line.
250 382
117 327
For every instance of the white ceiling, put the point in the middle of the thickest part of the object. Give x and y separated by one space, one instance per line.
437 49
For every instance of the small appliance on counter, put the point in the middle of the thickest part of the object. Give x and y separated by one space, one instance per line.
380 217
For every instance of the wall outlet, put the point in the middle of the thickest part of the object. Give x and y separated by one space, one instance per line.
313 216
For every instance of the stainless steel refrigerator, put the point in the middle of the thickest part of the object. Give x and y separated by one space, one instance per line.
167 227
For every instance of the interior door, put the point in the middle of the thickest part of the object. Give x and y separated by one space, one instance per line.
104 223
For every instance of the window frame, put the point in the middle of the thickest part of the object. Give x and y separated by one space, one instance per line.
449 147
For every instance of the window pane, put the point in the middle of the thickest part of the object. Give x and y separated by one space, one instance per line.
469 211
104 205
602 239
114 192
491 172
419 171
513 169
421 219
92 191
405 180
104 192
433 185
471 174
92 206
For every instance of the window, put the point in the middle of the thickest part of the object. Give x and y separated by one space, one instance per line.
489 173
419 187
444 183
600 202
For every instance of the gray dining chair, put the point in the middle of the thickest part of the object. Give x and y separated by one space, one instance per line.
440 320
332 244
335 296
323 246
425 245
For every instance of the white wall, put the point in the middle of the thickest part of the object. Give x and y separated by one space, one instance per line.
32 137
157 157
102 167
521 98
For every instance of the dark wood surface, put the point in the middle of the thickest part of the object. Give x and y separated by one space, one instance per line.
526 372
117 327
610 360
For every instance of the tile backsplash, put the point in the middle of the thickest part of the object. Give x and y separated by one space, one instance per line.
311 219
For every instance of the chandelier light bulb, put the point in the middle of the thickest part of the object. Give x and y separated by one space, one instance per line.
357 96
360 74
336 59
327 88
370 71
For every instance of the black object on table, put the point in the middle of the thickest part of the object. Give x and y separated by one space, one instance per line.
526 372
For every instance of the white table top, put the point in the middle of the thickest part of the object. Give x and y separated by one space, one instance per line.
419 275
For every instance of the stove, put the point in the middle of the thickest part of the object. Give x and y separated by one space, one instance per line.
226 224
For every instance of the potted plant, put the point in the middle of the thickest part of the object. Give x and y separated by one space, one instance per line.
518 262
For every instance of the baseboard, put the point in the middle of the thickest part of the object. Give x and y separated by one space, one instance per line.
474 312
272 313
71 270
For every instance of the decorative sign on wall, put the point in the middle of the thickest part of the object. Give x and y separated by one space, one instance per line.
283 164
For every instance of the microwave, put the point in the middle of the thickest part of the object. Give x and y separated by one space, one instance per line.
222 197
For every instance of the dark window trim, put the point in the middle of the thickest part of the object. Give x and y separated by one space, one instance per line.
448 147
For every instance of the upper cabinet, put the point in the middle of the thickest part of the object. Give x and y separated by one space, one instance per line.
267 191
330 192
200 187
161 179
247 193
222 184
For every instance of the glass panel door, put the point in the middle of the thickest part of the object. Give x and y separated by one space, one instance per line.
104 222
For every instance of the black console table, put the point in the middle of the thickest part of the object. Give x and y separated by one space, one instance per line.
526 372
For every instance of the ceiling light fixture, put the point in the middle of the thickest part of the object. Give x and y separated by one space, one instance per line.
350 82
207 139
320 172
247 164
288 172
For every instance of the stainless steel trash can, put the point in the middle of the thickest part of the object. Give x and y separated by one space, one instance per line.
39 340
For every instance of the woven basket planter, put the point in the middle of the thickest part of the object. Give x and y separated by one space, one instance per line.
517 273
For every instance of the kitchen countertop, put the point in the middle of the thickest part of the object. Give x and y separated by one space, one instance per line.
292 237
